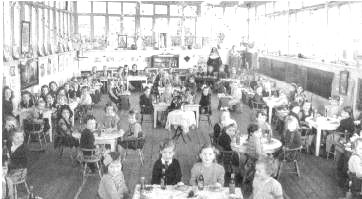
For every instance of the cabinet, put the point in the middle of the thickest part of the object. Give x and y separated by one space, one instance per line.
165 61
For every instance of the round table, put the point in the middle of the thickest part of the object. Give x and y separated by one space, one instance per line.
321 123
109 136
268 148
185 119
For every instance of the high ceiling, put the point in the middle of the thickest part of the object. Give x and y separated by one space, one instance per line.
212 2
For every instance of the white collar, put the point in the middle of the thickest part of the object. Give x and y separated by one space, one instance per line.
164 162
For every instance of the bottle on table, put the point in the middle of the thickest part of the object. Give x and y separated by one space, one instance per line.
238 137
232 184
200 182
163 179
31 193
142 188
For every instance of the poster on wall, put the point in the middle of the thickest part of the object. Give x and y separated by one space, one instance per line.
49 66
42 66
29 74
55 64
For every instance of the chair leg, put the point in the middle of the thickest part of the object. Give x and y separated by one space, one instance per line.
125 154
27 187
140 154
85 171
297 167
141 118
41 145
29 137
280 167
15 192
99 170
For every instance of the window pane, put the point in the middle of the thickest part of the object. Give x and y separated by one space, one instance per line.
129 26
84 27
161 25
175 26
83 7
161 9
190 10
175 10
114 8
46 26
129 8
40 27
189 26
146 26
26 13
7 25
115 23
99 27
51 26
99 7
17 25
146 9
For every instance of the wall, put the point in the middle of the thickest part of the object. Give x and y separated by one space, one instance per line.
62 67
318 101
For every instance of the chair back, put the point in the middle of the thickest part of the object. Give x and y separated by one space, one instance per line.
35 126
257 106
18 176
226 159
290 155
90 155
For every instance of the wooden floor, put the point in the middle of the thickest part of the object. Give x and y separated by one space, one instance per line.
57 179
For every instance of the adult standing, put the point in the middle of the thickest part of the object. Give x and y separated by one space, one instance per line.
214 59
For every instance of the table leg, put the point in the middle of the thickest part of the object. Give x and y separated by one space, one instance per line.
318 141
270 113
113 146
197 118
50 130
154 118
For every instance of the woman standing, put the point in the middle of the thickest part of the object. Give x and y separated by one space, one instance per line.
8 102
214 59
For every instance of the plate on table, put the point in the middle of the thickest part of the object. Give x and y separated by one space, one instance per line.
181 187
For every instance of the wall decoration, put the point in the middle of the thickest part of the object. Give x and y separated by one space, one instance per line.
25 37
122 41
49 66
343 82
12 71
29 74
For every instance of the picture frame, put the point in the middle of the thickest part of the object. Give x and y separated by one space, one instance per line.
122 41
25 37
343 82
29 73
12 71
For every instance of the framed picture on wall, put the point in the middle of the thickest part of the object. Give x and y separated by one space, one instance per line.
343 82
25 37
29 73
122 41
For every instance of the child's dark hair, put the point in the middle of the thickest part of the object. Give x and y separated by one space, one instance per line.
131 112
89 117
252 128
167 143
349 110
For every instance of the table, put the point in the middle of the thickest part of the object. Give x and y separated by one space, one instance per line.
110 137
183 118
47 113
156 108
268 148
181 193
321 123
135 79
271 102
195 108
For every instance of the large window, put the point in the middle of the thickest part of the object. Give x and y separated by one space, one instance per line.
129 8
114 7
7 25
17 27
40 28
84 27
146 9
83 6
99 27
99 7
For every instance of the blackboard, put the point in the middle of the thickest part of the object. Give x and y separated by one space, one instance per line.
316 81
319 82
359 95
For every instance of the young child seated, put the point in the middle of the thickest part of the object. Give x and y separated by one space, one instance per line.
265 186
189 98
227 134
355 165
261 119
111 119
254 145
225 120
292 136
167 164
112 184
212 172
134 131
205 101
87 137
85 98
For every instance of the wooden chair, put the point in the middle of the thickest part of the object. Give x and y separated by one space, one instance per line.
334 143
206 116
135 144
144 113
258 106
354 184
36 128
90 156
290 156
305 137
18 177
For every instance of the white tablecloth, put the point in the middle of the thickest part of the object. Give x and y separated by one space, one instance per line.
185 119
267 147
109 136
174 193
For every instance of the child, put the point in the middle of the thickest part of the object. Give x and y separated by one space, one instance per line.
112 184
205 101
292 136
227 134
264 186
134 131
261 119
225 120
85 98
26 100
17 151
111 120
10 124
189 97
355 166
254 145
212 172
87 137
171 165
